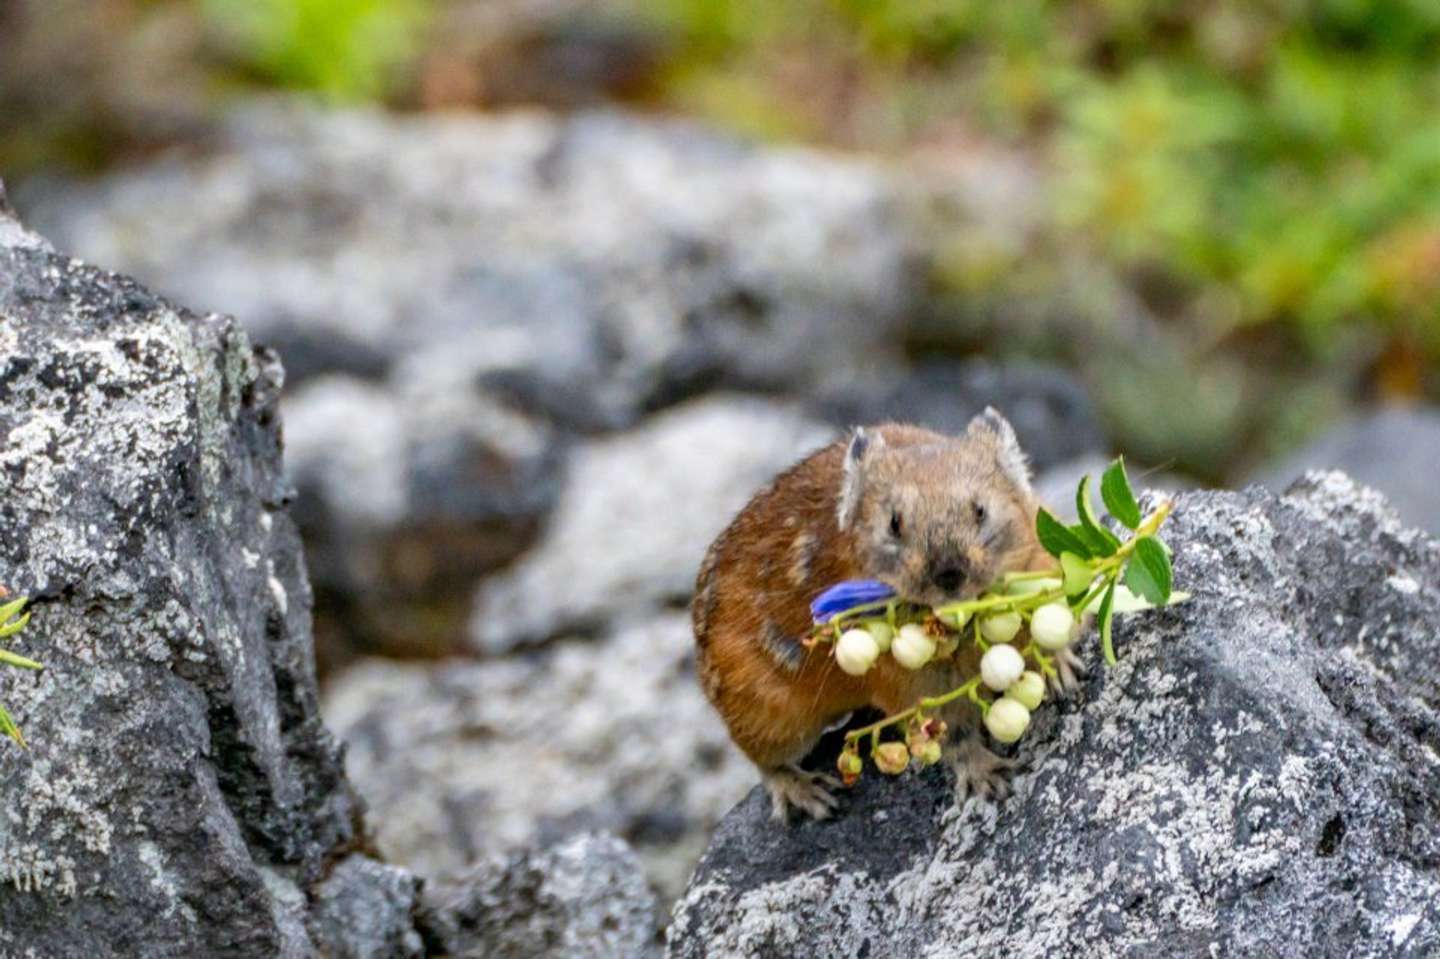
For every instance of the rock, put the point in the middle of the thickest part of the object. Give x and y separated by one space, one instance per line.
1394 450
606 263
635 516
494 284
180 794
1049 409
363 911
609 733
1260 775
585 898
405 499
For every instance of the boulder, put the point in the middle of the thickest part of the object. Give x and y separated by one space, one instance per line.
180 794
492 284
607 733
635 515
1394 450
584 898
1260 775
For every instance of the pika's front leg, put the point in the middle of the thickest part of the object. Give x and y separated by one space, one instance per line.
792 787
979 770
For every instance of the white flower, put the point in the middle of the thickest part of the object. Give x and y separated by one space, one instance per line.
1000 627
1001 666
881 632
1007 719
1052 626
913 647
855 651
1028 690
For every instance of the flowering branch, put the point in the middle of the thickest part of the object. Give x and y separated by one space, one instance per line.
1098 572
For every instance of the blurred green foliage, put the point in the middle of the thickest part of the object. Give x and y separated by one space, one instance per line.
341 49
1287 151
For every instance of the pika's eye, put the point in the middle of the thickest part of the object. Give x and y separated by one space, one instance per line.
979 512
897 526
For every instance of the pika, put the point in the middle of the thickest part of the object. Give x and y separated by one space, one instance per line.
935 517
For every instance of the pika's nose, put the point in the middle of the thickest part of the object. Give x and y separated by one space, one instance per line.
949 578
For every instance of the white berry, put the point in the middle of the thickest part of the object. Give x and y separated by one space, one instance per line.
955 618
881 632
1001 627
1052 626
913 647
855 651
1007 719
1028 690
1001 666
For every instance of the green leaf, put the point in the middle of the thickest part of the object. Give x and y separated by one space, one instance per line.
8 658
1078 573
11 608
1101 541
1107 614
1148 572
8 728
10 629
1115 491
1057 538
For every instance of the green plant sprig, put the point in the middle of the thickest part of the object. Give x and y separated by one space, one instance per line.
9 626
1095 565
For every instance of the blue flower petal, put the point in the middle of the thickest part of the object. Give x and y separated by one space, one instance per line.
847 595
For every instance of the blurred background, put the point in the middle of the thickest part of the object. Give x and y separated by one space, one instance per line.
558 283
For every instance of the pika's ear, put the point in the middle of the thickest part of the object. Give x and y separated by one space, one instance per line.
852 484
1011 458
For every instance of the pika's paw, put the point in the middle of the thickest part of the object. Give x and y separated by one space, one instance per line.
1068 670
790 786
979 770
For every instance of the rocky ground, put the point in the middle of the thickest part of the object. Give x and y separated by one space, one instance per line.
532 366
1260 775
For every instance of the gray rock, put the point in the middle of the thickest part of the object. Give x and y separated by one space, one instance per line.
1260 775
584 898
1394 450
636 513
600 265
464 759
1049 409
180 794
406 498
489 283
363 911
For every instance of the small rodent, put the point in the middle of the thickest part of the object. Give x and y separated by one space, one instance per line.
936 517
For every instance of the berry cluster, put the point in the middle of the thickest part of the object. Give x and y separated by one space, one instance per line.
864 620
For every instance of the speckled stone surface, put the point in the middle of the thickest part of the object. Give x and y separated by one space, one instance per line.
180 795
1259 776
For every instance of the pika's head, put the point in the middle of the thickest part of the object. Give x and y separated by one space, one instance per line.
937 518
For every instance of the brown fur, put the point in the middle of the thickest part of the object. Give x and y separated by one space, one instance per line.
787 545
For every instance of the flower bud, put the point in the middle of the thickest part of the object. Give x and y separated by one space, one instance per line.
913 647
855 651
1000 627
955 618
1001 666
881 632
891 758
1007 719
1052 626
850 766
927 753
1028 690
